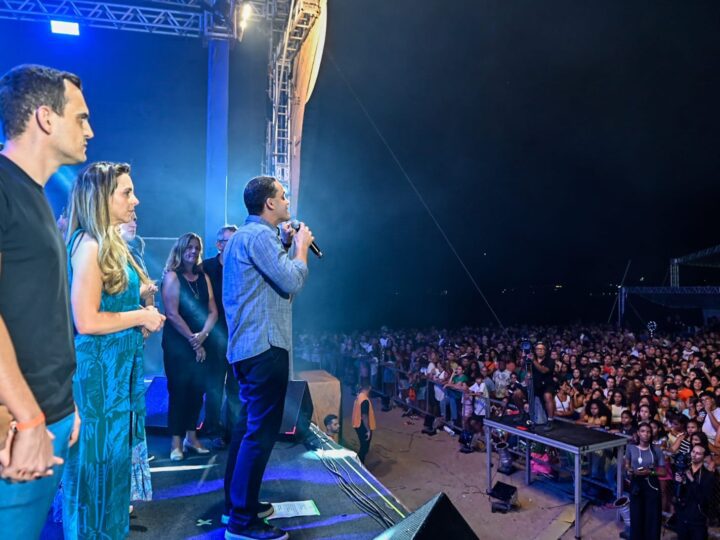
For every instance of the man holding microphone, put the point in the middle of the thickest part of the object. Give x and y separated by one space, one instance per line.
265 265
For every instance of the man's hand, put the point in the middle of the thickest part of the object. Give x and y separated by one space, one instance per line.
303 237
368 435
287 233
75 433
31 455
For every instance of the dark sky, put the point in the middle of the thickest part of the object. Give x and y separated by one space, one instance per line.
554 141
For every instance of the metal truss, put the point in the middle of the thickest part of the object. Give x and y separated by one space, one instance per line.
673 290
291 25
184 18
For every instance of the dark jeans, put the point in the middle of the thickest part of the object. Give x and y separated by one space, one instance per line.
364 442
230 414
645 508
263 382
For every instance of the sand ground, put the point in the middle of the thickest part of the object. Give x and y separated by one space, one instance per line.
415 467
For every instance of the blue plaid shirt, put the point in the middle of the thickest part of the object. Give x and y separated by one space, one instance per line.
259 281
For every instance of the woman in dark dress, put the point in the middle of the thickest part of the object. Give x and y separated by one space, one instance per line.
191 311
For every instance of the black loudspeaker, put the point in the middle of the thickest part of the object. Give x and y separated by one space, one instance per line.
506 496
437 518
156 403
298 412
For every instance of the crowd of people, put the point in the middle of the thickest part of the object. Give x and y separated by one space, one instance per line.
660 390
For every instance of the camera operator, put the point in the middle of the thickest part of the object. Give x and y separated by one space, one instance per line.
694 490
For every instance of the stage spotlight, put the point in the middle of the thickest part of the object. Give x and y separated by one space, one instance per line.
246 11
506 461
465 440
65 28
242 17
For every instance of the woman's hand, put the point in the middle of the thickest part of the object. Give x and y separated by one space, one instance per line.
196 340
153 319
200 354
148 290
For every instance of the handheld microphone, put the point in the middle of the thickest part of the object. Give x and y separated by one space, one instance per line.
295 224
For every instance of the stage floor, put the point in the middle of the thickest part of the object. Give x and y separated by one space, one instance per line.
188 495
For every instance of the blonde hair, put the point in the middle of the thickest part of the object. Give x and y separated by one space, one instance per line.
90 211
174 260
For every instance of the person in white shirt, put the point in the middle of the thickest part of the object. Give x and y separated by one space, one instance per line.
501 378
712 418
477 396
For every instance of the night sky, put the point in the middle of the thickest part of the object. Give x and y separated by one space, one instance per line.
552 141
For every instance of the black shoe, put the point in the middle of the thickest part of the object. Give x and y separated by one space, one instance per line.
218 443
258 530
265 510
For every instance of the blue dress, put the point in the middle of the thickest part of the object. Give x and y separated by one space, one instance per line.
109 392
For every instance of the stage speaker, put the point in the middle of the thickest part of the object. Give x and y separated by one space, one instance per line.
437 518
506 496
156 403
298 411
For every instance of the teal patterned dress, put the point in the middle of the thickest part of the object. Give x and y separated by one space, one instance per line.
109 392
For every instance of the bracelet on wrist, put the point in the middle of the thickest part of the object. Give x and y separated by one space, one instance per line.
30 424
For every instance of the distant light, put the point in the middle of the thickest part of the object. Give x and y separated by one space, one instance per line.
246 10
65 27
243 24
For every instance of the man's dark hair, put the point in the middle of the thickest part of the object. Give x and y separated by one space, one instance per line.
329 419
257 191
25 88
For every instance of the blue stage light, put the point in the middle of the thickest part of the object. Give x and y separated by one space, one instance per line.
65 27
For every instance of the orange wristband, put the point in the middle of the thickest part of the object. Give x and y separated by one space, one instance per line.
35 422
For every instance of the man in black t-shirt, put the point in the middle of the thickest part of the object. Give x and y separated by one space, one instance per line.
45 124
594 377
219 377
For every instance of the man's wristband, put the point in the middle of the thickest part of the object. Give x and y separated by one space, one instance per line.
30 424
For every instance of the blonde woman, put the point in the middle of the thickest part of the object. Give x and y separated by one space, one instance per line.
190 308
105 290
